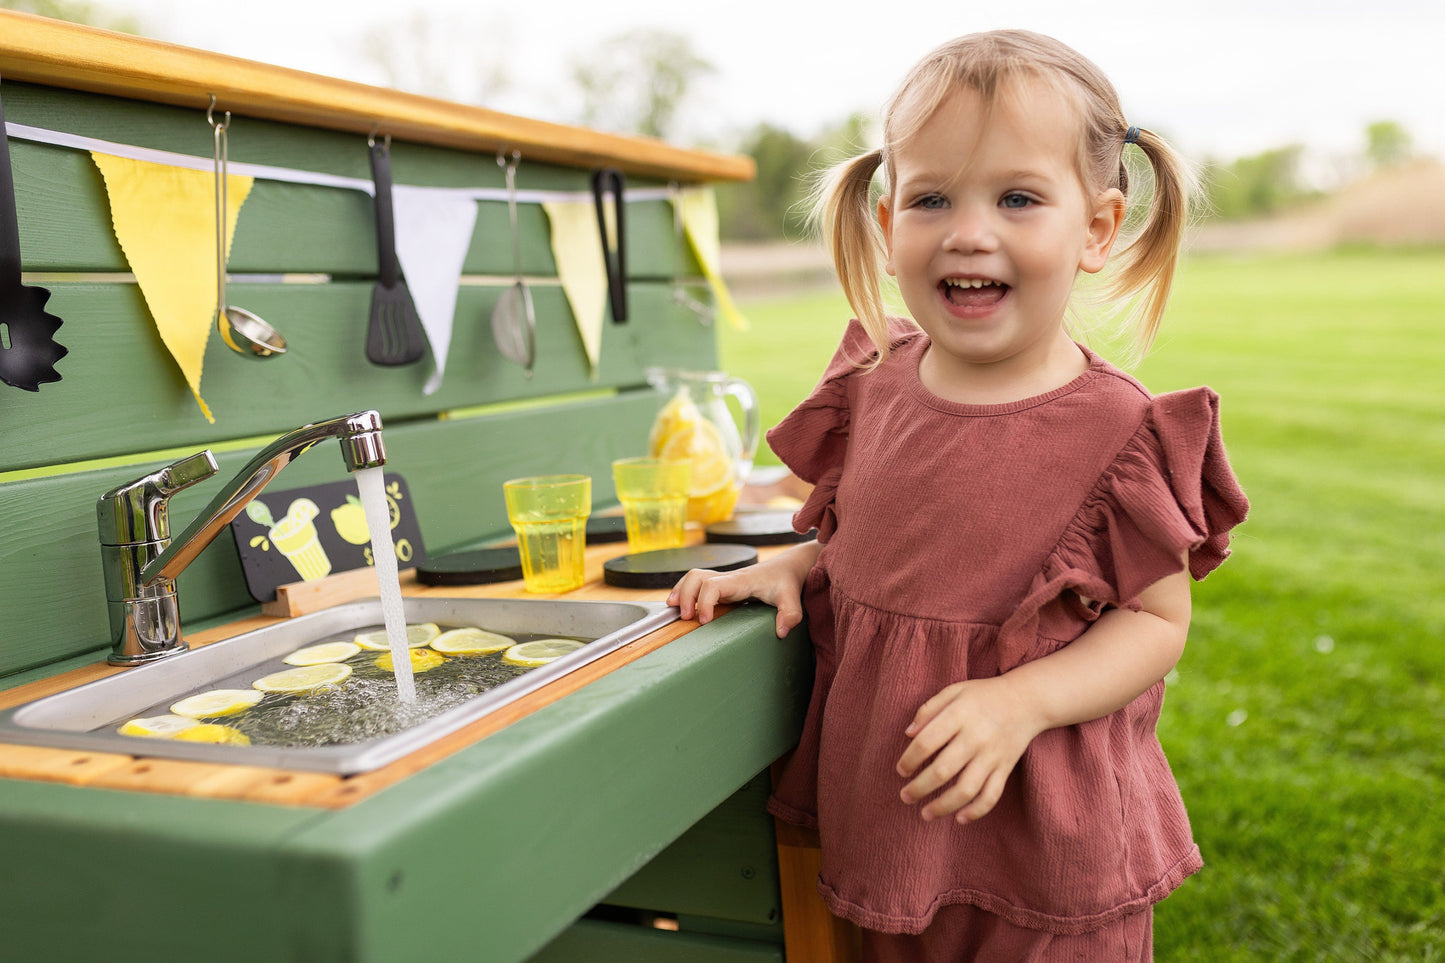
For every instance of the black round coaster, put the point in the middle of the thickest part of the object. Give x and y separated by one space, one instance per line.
662 568
480 567
757 528
606 528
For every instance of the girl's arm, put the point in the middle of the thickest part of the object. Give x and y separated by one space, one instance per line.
974 732
778 581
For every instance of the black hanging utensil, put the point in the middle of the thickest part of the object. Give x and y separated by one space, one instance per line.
28 349
394 335
614 255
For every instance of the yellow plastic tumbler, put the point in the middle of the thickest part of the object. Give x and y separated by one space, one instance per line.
549 514
653 492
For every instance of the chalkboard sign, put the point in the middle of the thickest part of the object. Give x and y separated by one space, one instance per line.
305 534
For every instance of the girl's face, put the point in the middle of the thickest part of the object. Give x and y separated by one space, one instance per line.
987 227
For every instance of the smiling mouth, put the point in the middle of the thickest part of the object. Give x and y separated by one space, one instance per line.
972 292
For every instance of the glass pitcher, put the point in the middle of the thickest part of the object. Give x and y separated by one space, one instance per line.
695 422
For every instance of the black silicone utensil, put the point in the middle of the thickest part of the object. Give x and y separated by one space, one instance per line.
28 349
394 335
613 254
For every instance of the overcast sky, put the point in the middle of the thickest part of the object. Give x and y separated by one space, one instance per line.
1222 78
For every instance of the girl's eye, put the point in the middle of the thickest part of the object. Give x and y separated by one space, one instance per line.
1016 200
932 202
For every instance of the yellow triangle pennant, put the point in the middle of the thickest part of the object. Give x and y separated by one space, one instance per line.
698 206
577 248
165 220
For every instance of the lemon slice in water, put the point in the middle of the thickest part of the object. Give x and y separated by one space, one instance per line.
470 640
217 702
325 652
304 679
417 635
421 660
214 732
539 652
157 727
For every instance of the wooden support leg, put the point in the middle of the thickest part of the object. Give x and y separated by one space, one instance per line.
811 933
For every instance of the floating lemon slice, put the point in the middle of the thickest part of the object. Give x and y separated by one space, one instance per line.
325 652
417 635
217 702
539 652
470 640
421 660
157 727
214 732
304 679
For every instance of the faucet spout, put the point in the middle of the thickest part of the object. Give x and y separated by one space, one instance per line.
140 559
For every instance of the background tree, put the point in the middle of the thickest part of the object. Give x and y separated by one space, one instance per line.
78 11
453 60
637 83
1387 143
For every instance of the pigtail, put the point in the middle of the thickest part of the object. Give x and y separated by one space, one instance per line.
843 214
1144 276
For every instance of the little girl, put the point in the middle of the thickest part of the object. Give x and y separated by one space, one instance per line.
1006 525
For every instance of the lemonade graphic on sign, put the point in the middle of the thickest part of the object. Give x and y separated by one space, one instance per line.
294 536
703 433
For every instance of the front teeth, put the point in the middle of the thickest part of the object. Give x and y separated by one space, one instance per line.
969 283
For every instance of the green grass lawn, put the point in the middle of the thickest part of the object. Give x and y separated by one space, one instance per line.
1305 723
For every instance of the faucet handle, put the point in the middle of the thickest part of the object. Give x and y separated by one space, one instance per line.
186 472
136 512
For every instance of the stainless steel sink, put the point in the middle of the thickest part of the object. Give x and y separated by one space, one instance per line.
87 716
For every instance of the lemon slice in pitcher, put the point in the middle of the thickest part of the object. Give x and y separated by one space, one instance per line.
305 679
217 702
325 652
417 635
540 652
157 727
470 640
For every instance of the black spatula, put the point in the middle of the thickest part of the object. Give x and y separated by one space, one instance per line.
394 335
28 350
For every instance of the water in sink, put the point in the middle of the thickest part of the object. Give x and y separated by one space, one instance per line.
367 705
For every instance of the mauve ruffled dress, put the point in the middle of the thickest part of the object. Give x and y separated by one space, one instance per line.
959 542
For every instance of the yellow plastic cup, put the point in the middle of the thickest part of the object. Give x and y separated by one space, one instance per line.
653 492
549 514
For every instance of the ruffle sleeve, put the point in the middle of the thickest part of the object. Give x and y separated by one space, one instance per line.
813 439
1170 493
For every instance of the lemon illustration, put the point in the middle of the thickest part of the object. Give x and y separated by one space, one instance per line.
325 652
540 652
421 660
350 519
157 727
304 679
470 640
417 635
217 702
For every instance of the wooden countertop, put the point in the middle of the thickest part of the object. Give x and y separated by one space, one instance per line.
289 787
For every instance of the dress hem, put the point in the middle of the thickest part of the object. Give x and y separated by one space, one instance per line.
1010 912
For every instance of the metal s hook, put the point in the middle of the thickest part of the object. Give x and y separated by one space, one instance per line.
211 116
371 137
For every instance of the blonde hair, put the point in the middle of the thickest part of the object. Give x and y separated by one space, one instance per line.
992 64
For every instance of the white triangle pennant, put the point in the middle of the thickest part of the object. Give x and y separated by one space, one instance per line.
433 232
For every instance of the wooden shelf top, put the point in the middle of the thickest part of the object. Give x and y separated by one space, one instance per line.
59 54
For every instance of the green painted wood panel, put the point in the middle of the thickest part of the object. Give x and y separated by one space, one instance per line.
726 866
284 227
603 942
52 598
120 392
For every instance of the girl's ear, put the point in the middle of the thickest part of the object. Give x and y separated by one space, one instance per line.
1103 230
885 221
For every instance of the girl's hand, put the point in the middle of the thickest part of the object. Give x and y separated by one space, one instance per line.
975 731
778 581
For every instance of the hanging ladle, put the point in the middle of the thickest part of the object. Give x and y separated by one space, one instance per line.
244 333
514 323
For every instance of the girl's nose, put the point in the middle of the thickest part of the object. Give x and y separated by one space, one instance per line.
971 231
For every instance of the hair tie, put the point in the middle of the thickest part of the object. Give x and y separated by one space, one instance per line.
1132 137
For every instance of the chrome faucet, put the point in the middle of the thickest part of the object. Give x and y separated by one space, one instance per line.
141 561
